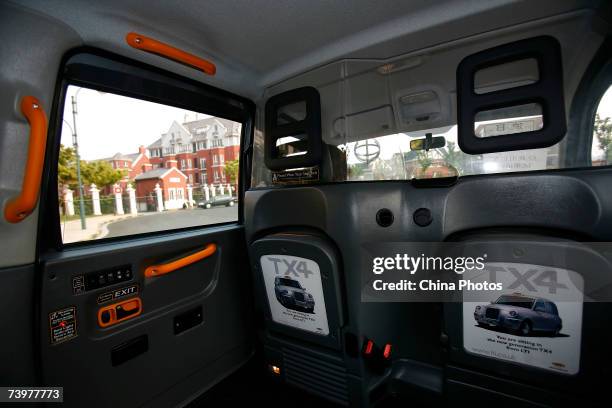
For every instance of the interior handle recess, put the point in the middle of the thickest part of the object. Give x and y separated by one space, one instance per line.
162 269
18 208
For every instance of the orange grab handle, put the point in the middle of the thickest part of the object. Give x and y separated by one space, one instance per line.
157 270
18 208
148 44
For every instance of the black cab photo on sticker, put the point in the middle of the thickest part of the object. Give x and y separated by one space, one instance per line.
536 321
290 293
521 315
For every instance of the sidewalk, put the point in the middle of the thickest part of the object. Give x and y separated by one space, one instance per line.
96 227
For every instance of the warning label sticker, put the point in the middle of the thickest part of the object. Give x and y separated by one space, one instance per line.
62 325
78 284
296 176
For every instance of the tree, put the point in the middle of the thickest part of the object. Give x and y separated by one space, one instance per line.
355 171
602 128
453 157
100 173
231 171
66 169
424 160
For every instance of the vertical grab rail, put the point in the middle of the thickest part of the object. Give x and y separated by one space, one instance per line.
18 208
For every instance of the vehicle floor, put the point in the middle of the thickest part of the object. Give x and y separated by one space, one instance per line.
252 385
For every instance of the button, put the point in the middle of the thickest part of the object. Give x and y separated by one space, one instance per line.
128 273
110 277
92 281
105 316
101 279
387 351
368 348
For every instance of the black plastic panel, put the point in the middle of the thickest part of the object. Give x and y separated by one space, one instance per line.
309 127
547 92
188 320
129 350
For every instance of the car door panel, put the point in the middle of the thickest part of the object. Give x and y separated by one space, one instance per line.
17 312
216 284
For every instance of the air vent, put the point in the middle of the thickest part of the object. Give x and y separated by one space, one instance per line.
317 374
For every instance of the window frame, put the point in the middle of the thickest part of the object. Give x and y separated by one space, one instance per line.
105 71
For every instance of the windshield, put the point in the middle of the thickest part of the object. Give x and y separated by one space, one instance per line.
390 158
289 282
518 301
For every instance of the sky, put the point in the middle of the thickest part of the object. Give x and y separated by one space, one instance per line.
109 123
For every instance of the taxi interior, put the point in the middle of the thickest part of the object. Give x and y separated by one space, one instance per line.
322 92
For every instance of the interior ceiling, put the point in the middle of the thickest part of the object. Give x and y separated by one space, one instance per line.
261 42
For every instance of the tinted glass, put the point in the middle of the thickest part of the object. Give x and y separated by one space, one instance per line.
517 301
289 282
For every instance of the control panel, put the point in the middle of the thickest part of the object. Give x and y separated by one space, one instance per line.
101 279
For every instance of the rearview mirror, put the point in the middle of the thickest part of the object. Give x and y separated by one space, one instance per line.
428 142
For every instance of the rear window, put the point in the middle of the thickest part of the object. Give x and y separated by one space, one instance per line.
129 166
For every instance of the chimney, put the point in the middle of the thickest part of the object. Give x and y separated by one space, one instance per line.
142 149
171 163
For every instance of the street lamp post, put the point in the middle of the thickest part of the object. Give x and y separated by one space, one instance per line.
75 144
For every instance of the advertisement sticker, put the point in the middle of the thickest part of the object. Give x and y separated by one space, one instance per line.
295 292
531 322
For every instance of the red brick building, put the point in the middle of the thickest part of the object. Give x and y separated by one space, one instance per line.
172 182
198 149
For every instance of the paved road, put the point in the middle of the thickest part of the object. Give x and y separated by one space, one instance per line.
169 220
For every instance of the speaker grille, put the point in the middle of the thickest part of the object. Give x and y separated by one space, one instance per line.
317 374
